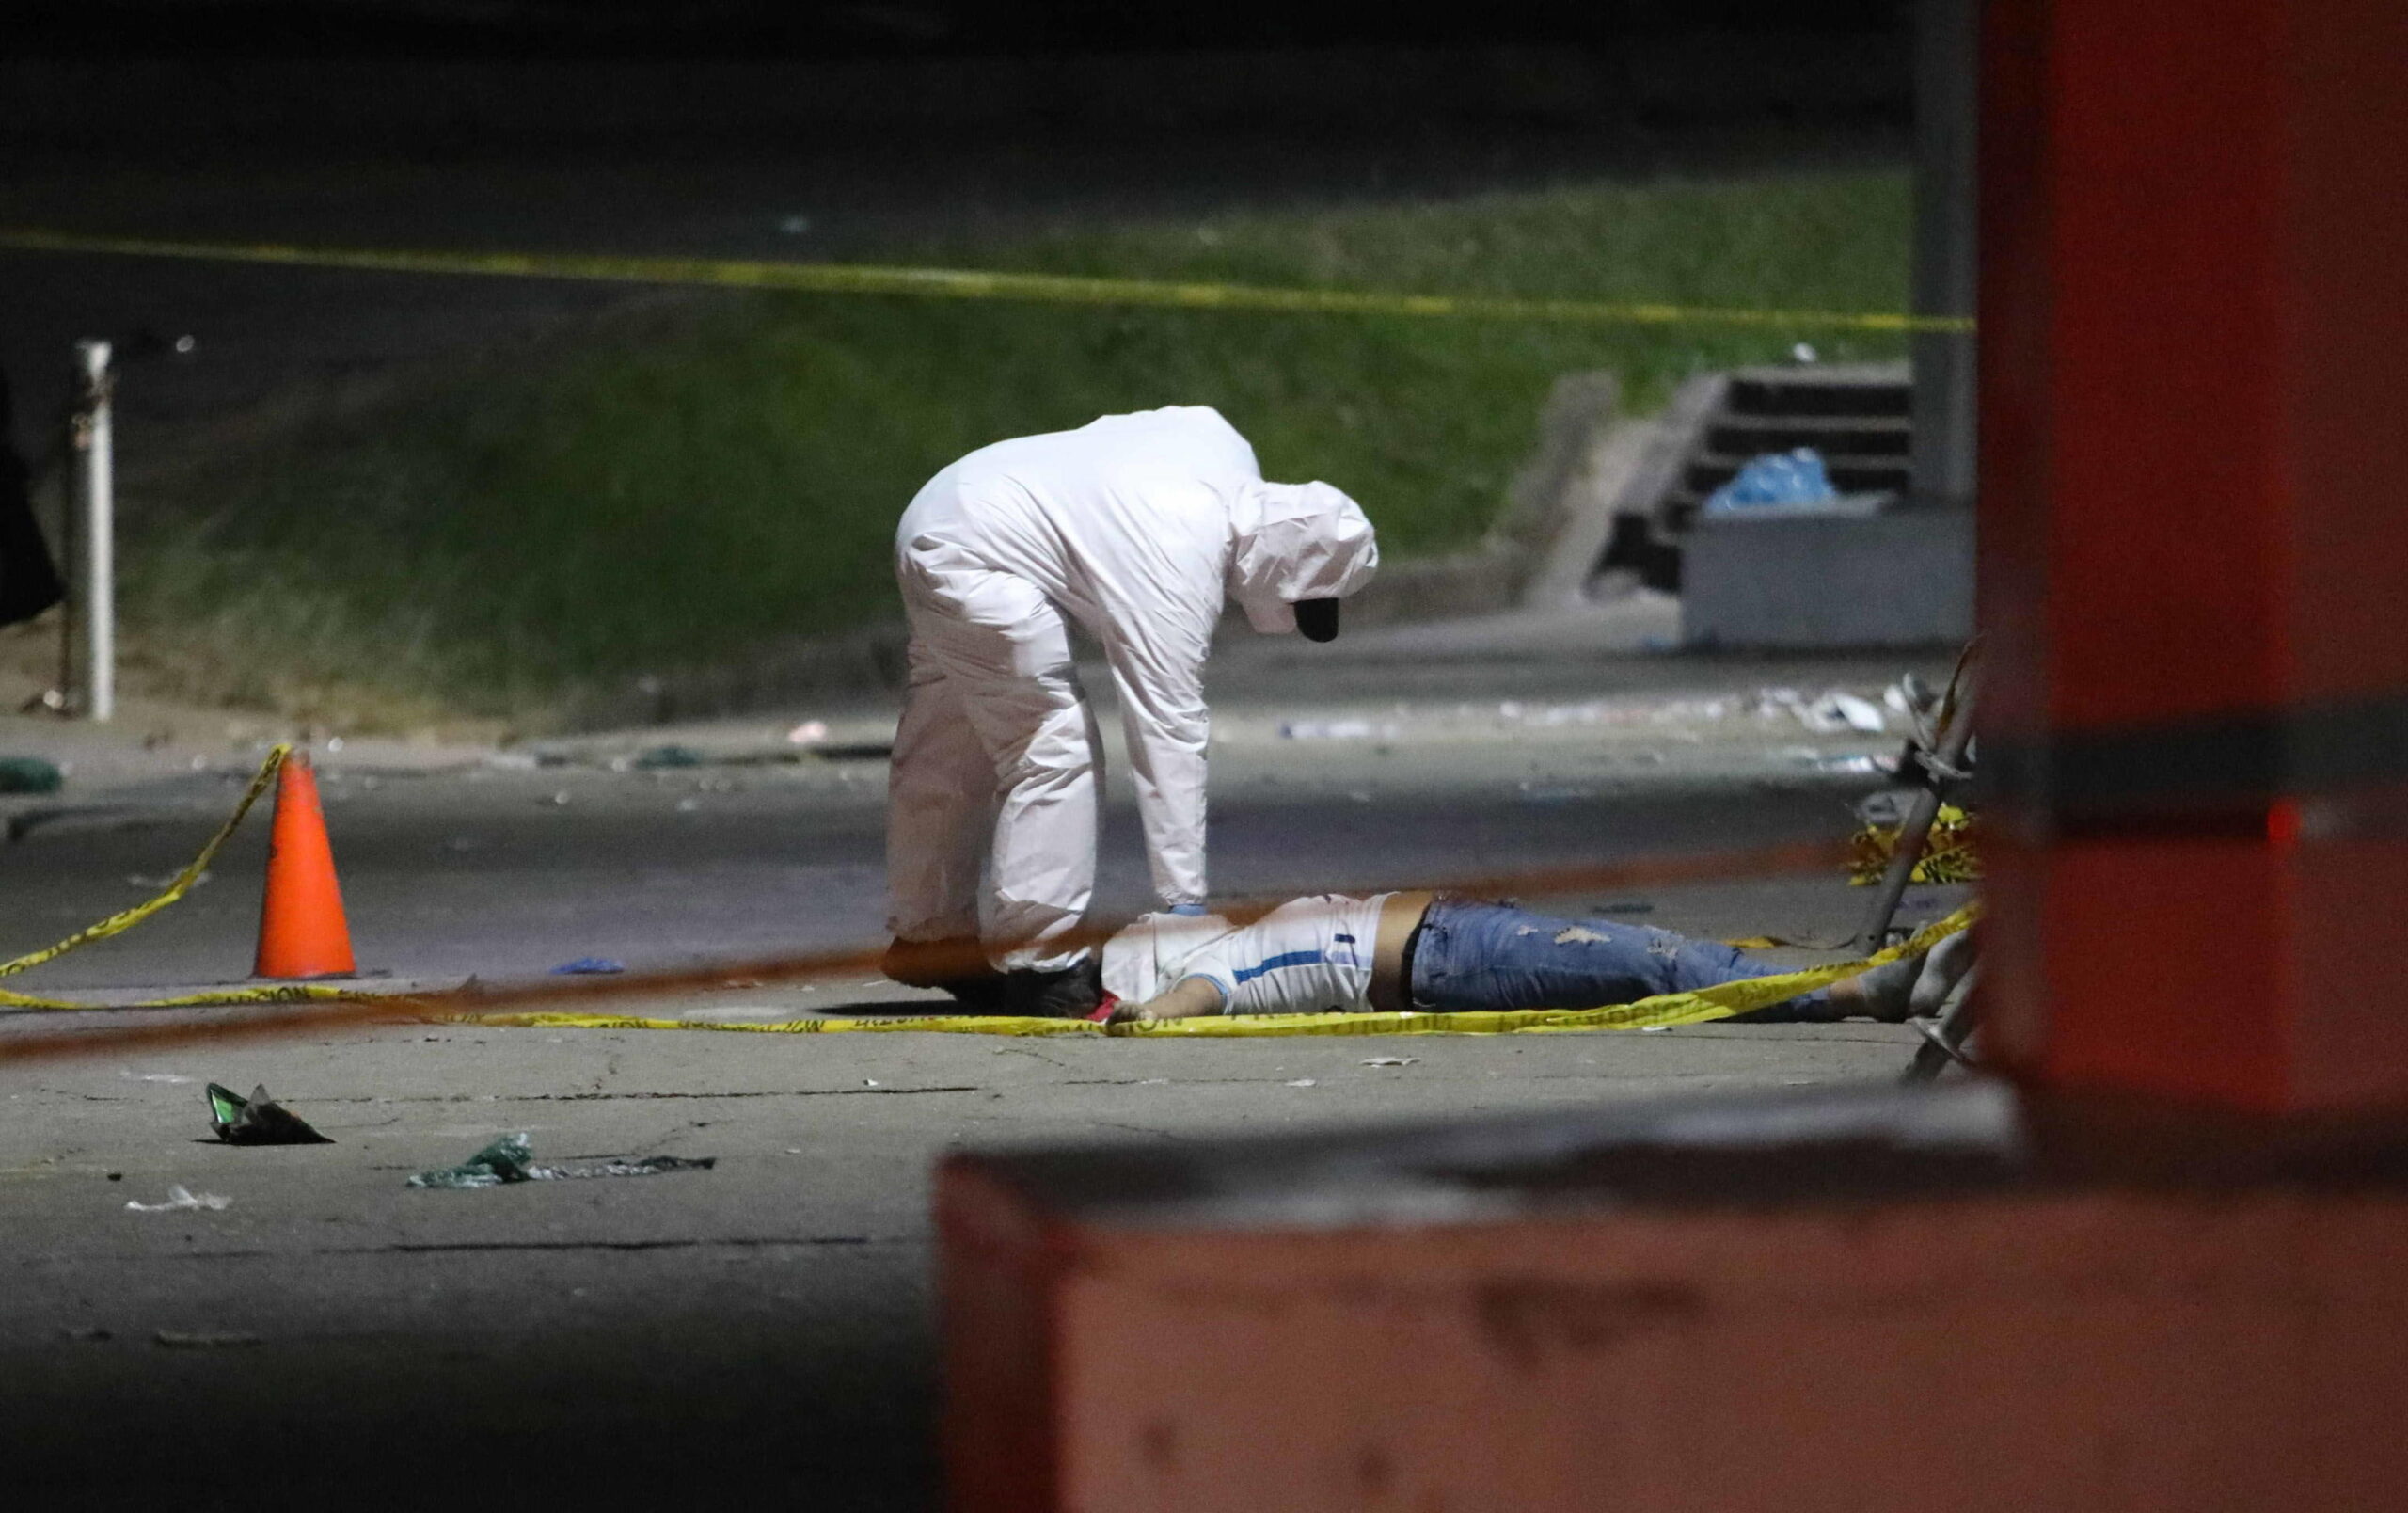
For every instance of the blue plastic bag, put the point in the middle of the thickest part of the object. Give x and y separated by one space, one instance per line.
1775 478
589 966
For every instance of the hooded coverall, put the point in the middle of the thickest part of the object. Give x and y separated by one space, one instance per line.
1138 527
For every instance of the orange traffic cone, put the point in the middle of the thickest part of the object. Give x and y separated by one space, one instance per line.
302 932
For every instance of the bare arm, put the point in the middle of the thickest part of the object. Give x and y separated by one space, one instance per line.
1188 998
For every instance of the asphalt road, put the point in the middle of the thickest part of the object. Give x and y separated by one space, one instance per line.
771 1318
330 1329
506 874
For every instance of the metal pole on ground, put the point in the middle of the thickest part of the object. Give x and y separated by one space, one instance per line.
1940 766
92 528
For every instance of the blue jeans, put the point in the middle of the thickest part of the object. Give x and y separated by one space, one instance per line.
1471 955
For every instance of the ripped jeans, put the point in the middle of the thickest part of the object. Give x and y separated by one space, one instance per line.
1471 955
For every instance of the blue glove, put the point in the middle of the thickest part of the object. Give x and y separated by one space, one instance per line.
1190 910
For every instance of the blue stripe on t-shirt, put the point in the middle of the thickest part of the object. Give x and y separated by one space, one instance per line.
1273 964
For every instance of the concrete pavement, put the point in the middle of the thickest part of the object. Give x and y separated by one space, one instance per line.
331 1330
774 1311
669 847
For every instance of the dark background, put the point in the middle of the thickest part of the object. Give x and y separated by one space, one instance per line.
89 73
762 28
646 126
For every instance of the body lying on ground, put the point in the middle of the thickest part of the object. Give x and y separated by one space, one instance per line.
1393 952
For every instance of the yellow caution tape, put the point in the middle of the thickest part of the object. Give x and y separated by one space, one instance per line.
1950 852
119 923
1719 1002
960 283
213 998
125 920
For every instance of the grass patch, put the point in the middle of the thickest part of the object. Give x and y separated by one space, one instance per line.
681 485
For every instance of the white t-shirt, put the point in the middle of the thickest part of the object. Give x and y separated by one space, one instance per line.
1306 956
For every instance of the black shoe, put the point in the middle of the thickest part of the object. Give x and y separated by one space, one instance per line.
990 995
957 966
1071 993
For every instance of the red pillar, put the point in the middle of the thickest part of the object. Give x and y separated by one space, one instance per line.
2195 545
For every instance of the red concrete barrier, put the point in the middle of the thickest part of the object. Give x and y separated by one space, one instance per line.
1850 1303
2194 553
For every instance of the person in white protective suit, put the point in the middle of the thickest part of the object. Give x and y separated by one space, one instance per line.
1139 528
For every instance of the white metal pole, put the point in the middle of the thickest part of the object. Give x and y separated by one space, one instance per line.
94 528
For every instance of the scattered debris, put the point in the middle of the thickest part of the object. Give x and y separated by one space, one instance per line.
504 1160
1390 1061
164 880
29 775
1827 714
649 1166
1835 712
1911 697
1886 806
1305 1082
1332 729
659 757
1653 1029
509 1159
1859 765
152 1076
590 967
258 1120
179 1199
204 1339
809 733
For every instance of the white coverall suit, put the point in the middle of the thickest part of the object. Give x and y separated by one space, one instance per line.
1137 527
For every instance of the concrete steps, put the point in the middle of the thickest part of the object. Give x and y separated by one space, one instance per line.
1855 416
1891 575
